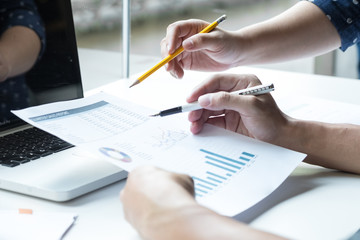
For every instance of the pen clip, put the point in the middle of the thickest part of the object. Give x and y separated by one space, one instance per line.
258 90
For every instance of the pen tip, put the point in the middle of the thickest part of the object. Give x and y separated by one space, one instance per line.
155 115
135 83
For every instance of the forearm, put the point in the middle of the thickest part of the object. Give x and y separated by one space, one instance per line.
199 223
329 145
19 47
302 31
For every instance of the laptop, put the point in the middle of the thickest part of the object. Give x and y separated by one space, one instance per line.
46 166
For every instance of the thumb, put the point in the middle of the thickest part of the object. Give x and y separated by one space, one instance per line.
199 42
221 101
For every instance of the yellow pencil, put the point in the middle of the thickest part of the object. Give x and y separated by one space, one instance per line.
177 52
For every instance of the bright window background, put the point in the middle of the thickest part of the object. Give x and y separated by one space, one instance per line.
98 26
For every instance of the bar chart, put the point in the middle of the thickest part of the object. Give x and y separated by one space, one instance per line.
219 170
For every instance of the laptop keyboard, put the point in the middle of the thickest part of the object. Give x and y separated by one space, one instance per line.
28 145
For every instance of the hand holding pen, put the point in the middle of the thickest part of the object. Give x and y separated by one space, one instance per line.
256 90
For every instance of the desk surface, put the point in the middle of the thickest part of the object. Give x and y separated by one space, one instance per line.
313 203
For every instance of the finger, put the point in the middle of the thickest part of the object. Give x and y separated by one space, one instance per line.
209 85
201 119
170 66
204 114
217 121
164 48
174 67
178 68
244 105
215 83
204 41
223 82
197 126
194 116
180 30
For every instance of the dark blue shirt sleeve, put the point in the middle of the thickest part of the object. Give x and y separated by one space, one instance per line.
22 13
345 16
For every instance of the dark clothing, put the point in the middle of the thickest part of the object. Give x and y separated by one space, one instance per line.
14 91
345 16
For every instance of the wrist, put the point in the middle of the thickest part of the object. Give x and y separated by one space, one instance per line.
244 47
298 135
170 222
289 134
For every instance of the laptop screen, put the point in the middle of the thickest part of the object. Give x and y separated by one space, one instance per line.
56 74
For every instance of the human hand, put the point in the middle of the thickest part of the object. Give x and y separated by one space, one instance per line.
151 192
215 51
160 205
255 116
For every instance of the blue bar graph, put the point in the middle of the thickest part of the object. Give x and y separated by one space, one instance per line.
219 166
216 175
248 154
200 190
204 181
221 156
222 162
204 186
219 170
244 158
215 180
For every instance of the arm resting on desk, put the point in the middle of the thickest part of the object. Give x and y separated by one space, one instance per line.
164 208
329 145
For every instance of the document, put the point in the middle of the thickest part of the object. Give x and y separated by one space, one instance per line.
231 172
36 225
317 109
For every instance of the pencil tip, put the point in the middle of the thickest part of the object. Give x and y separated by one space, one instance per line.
135 83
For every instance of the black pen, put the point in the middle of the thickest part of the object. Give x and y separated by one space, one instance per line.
256 90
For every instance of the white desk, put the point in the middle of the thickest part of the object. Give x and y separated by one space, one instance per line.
313 203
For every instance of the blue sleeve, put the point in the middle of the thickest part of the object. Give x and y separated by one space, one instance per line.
345 16
22 13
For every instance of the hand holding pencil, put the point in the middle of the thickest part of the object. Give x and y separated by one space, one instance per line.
176 53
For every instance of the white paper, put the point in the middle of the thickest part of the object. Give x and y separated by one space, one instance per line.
38 225
231 172
316 109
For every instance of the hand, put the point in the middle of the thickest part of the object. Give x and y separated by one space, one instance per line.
255 116
214 51
160 205
151 192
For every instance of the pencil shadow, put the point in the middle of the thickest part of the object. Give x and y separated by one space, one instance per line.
291 187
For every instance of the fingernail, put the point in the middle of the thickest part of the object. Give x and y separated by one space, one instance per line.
205 100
